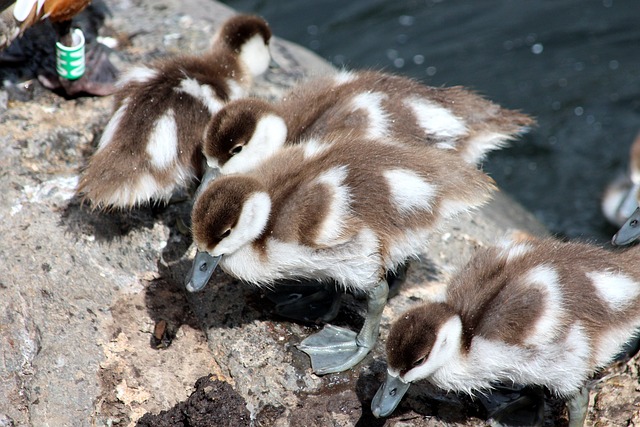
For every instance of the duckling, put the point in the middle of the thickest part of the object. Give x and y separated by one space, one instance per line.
361 103
96 77
151 145
344 208
364 104
621 199
539 312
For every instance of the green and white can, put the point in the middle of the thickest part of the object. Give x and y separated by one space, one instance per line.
70 60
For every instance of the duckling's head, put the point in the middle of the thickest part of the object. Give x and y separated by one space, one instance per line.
229 214
420 342
248 37
242 135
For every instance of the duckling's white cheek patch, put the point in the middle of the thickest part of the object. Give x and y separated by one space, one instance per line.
111 128
270 134
436 120
617 290
546 279
255 55
202 93
371 102
339 206
252 221
163 143
137 75
409 191
445 350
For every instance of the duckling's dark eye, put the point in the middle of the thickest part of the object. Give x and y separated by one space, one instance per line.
419 361
235 150
225 234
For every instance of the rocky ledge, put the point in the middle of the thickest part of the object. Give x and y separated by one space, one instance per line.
95 327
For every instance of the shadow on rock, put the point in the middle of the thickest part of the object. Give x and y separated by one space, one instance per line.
366 387
105 226
167 306
166 299
224 302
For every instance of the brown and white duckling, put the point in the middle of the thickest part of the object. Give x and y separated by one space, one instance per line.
152 143
345 208
364 104
539 312
621 199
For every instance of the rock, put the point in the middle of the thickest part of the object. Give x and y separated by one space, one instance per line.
213 403
86 297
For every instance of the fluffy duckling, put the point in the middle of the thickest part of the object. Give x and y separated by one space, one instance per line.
538 312
99 75
345 208
621 199
364 104
152 144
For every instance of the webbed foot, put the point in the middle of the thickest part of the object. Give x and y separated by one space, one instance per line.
335 349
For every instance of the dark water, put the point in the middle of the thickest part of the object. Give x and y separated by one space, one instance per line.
574 65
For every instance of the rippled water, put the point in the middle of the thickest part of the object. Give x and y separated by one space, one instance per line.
574 65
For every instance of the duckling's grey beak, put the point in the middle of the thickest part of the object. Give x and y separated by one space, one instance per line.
201 271
629 231
630 201
209 175
388 396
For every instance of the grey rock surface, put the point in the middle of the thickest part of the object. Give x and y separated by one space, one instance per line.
81 291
